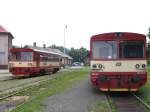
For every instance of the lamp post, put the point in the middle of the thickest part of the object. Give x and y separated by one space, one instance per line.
65 38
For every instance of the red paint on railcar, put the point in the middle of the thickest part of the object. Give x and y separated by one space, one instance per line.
31 67
118 81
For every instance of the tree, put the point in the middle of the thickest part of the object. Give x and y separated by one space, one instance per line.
148 33
83 53
79 55
148 50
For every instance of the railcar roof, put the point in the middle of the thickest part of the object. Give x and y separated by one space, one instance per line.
37 49
119 35
42 50
49 50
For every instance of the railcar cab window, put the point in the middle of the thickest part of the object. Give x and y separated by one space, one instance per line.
22 56
104 50
131 49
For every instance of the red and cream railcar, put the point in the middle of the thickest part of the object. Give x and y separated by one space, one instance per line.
118 61
27 61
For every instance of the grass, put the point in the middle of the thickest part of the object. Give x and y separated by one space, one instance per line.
144 92
64 81
56 85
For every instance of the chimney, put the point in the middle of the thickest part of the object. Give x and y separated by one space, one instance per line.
34 44
44 45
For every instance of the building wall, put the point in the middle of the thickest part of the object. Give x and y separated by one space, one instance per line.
4 46
9 42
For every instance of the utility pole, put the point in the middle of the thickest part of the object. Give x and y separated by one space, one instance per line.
65 38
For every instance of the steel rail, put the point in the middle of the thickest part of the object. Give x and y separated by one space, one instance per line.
120 104
22 87
140 100
36 83
109 102
13 87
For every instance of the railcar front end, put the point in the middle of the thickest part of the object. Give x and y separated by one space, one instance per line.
22 62
118 61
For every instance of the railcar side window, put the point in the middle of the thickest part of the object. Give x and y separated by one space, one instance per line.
132 49
53 59
104 50
26 56
22 56
44 58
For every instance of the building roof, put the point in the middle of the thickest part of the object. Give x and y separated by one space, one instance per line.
63 54
41 49
4 31
54 51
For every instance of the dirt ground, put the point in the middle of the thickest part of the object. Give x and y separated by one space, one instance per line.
77 99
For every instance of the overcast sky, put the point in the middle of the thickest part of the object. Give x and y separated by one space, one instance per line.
43 21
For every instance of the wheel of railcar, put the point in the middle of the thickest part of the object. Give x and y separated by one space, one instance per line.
42 72
55 70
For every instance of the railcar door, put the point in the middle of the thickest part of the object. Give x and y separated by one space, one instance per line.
37 59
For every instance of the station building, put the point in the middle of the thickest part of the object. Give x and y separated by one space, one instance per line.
5 44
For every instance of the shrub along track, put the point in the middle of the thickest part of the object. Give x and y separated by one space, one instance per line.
126 102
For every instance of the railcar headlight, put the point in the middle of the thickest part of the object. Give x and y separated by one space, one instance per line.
100 66
94 66
137 66
143 65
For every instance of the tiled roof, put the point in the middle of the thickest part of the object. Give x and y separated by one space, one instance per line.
2 29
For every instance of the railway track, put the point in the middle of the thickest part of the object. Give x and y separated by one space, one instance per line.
20 88
15 84
8 84
6 95
23 84
7 105
127 102
9 88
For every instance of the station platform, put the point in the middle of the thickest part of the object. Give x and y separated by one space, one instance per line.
5 74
